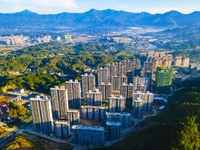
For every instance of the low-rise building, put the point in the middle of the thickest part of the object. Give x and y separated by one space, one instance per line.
87 135
73 116
93 112
62 129
123 118
113 130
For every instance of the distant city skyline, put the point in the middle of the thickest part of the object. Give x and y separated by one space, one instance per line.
79 6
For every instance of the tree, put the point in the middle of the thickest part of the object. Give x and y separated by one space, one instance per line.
188 136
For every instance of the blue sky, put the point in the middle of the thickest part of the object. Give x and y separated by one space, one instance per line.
56 6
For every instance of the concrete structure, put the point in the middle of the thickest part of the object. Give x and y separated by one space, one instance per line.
121 70
137 72
148 74
102 75
106 90
177 61
185 62
88 83
112 71
147 99
42 114
138 108
164 76
94 98
74 94
126 90
148 66
124 118
93 112
113 130
128 65
116 103
129 75
59 101
141 84
136 64
123 79
87 135
115 82
73 116
62 129
68 38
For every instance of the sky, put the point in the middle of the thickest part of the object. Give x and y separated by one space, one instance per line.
57 6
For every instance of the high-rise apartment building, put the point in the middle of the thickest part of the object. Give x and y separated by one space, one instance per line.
74 94
115 82
93 112
42 114
147 99
129 75
128 65
88 83
141 83
148 66
113 130
185 62
177 61
121 70
148 74
126 90
124 118
123 80
94 98
102 75
137 72
136 64
138 108
73 116
87 135
59 101
106 90
116 103
62 129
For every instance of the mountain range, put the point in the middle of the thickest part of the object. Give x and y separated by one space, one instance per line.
27 20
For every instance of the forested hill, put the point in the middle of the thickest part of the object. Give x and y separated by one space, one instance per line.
177 128
96 18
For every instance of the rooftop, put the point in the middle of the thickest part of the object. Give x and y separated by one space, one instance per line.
82 127
113 123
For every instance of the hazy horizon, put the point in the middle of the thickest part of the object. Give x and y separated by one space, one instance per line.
94 9
78 6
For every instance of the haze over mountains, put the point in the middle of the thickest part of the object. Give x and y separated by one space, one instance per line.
27 20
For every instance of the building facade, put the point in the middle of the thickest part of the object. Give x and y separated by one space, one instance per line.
73 116
116 103
93 112
113 130
124 118
87 135
74 94
164 76
94 98
88 83
106 90
59 101
62 129
42 114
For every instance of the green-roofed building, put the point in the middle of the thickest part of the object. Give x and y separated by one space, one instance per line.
164 76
